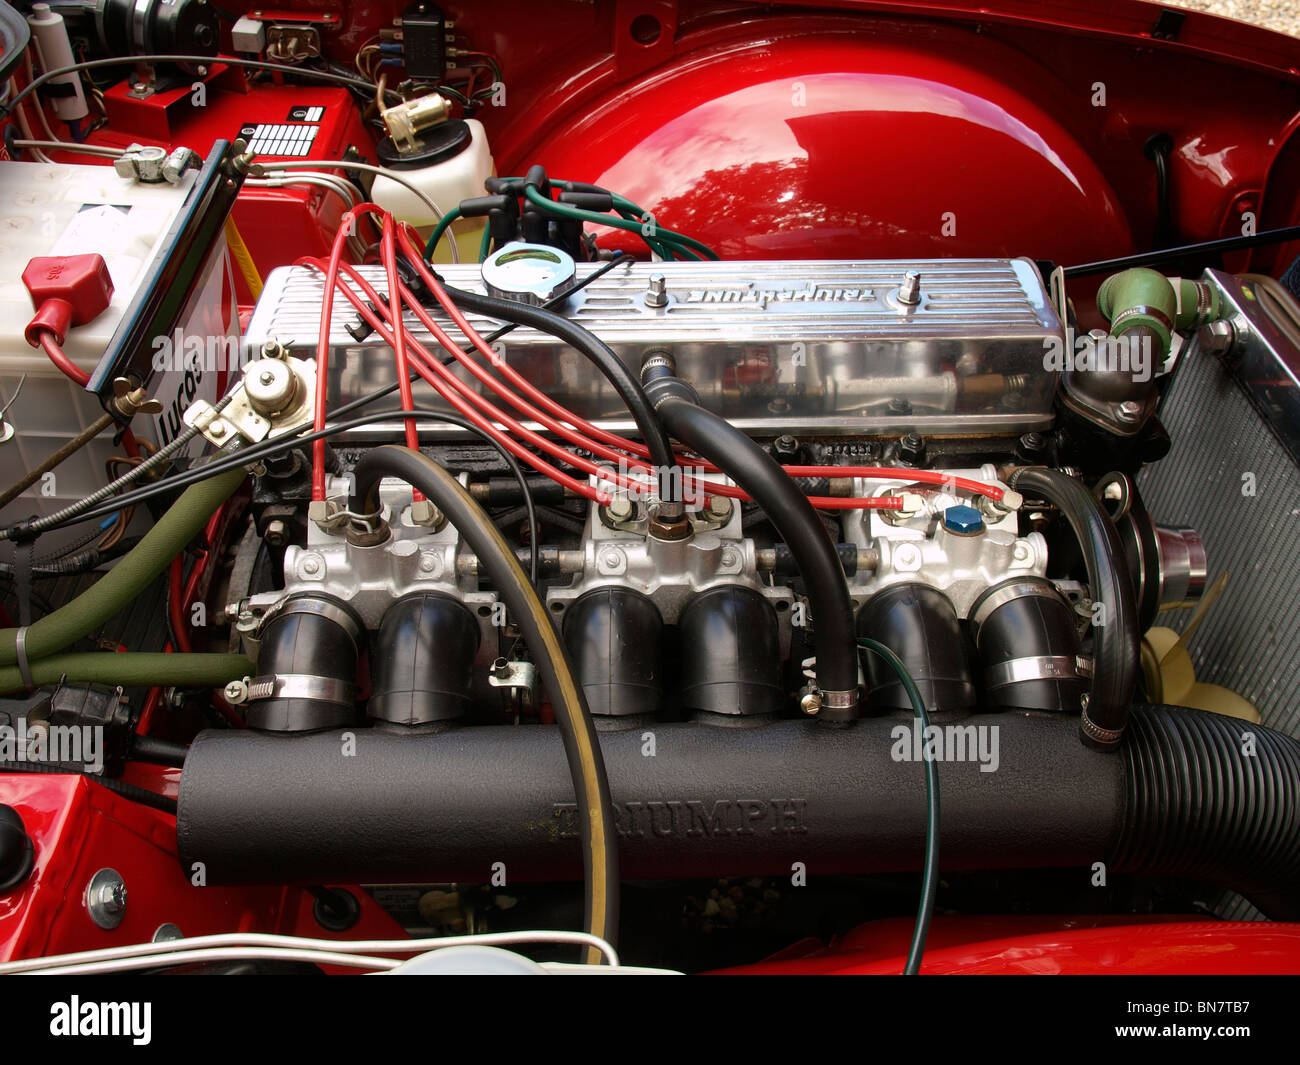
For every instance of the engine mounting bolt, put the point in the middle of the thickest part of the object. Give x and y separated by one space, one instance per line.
656 294
811 703
910 293
1130 410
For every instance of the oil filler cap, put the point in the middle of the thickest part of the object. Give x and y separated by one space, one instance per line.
529 273
963 520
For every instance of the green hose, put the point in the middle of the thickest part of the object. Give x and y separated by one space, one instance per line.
130 670
1139 297
129 579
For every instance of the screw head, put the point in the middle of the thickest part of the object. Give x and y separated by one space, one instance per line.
811 704
105 898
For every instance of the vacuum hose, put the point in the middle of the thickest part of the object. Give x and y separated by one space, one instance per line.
1116 659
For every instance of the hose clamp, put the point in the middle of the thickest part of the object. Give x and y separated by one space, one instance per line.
1140 311
1102 737
322 607
301 686
20 652
1036 667
1000 595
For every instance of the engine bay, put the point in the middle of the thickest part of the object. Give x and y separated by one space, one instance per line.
852 505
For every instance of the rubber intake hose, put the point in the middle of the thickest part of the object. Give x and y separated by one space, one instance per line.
731 653
1116 654
754 470
582 750
594 349
1213 798
422 661
919 624
307 652
129 579
1027 640
615 636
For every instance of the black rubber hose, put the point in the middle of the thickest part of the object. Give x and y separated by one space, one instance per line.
159 752
1212 798
785 505
593 348
1116 657
582 750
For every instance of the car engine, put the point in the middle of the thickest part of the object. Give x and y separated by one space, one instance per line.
408 536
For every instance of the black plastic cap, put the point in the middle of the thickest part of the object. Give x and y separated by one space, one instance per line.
17 855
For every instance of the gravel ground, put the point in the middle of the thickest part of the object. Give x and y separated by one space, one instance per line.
1281 15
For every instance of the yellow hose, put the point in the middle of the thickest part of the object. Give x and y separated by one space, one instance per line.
239 251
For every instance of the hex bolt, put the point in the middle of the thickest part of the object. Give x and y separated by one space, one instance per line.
718 509
811 704
105 898
621 508
277 533
910 293
911 449
656 293
1130 410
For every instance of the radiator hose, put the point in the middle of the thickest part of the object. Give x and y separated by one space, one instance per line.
1115 664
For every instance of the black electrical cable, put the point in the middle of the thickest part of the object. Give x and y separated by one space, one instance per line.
598 352
495 335
582 748
1204 248
131 60
282 444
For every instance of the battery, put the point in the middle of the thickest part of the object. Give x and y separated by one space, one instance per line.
63 209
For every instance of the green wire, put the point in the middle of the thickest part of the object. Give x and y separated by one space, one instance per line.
930 876
565 210
485 245
448 217
665 243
